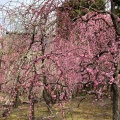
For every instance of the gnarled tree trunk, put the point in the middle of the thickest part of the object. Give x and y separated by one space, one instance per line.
116 102
115 88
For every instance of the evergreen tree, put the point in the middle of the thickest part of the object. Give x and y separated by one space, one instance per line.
117 7
81 7
71 10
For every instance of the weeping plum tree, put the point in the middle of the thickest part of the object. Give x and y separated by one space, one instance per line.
87 56
37 58
99 50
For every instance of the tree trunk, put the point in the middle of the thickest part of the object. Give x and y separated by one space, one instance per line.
17 100
115 89
116 102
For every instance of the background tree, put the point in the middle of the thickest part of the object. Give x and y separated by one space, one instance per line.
74 10
26 62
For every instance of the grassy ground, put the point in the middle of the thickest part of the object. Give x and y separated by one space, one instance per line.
100 110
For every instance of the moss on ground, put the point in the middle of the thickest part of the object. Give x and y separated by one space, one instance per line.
100 110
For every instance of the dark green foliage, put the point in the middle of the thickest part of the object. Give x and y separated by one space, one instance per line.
117 10
81 7
116 5
71 10
117 2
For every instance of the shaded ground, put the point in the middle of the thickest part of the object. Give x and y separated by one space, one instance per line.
100 110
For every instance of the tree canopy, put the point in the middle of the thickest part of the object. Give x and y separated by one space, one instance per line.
64 46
